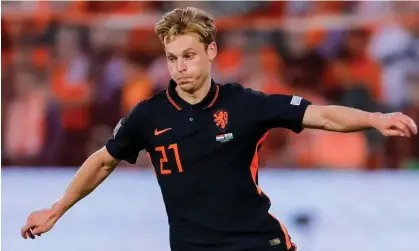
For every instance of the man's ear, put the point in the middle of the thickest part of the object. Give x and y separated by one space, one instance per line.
212 51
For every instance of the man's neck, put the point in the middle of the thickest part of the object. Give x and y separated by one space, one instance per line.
197 95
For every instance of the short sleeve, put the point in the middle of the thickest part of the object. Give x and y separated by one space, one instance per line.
126 141
276 110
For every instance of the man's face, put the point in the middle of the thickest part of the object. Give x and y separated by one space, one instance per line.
188 61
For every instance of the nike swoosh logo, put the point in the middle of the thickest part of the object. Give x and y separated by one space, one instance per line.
157 132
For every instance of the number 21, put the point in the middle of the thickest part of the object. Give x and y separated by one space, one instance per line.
164 159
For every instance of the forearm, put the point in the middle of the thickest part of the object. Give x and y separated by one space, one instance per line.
93 172
345 119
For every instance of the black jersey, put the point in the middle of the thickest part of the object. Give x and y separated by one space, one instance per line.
206 161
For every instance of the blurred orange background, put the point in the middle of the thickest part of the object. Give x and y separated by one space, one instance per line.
70 70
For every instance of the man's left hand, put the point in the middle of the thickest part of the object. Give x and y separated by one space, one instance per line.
394 124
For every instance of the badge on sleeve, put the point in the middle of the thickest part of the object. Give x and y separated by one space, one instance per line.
296 100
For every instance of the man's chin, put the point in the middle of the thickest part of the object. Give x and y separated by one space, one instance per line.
186 85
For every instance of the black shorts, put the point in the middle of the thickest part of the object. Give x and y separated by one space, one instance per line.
275 248
267 248
276 239
283 246
278 242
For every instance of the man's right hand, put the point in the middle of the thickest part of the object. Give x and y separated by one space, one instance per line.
93 171
39 222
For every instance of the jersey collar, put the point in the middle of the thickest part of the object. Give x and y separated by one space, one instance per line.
181 104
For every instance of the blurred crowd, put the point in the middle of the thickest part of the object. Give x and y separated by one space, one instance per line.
70 70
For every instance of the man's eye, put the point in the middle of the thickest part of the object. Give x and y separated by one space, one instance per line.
189 56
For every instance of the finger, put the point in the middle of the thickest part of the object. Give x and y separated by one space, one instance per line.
410 124
23 234
402 128
392 132
30 234
38 231
26 228
414 126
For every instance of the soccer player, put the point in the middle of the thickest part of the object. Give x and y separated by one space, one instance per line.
203 139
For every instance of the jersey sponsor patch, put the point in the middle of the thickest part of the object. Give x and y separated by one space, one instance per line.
296 100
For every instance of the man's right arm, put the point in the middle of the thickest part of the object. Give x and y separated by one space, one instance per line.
90 175
93 171
125 144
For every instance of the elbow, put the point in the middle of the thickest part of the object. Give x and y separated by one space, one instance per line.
332 126
340 119
325 121
329 123
326 118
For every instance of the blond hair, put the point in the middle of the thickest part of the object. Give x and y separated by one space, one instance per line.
188 20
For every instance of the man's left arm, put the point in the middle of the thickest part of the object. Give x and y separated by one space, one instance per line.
346 119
